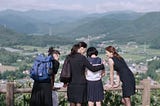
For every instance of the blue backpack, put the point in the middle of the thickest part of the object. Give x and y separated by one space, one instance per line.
42 68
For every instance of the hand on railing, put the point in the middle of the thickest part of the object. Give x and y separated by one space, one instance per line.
116 85
108 86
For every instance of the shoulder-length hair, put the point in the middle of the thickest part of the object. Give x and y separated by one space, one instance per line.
111 49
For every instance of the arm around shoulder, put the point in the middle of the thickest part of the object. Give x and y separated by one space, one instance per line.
92 68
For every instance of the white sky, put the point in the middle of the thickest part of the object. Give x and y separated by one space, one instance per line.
83 5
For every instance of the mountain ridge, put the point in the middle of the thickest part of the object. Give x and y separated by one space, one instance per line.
119 26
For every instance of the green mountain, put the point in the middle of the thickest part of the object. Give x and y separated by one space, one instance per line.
18 22
96 23
34 21
119 26
144 29
59 21
9 37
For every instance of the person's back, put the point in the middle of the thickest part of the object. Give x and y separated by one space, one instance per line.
77 69
77 87
42 90
124 72
94 82
94 76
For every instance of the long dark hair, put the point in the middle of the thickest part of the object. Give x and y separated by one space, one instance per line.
82 44
113 50
75 47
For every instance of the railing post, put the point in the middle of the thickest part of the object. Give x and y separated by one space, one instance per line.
10 94
146 93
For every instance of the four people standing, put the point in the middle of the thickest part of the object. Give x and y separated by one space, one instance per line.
86 86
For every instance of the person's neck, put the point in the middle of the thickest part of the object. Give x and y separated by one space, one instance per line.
79 51
93 56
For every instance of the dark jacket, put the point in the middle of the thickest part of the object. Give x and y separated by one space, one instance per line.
78 65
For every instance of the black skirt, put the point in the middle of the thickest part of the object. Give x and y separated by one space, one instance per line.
77 93
95 91
128 87
41 94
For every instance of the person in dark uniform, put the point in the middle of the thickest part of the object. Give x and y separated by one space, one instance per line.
42 90
77 87
125 75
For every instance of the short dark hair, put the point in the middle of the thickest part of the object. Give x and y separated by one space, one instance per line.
91 51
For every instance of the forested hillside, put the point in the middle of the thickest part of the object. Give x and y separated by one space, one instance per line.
9 37
143 29
119 26
34 21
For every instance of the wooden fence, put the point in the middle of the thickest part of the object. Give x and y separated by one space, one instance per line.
146 87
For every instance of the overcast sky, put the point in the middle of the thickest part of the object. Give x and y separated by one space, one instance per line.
83 5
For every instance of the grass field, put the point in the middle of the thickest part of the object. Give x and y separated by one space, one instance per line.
129 52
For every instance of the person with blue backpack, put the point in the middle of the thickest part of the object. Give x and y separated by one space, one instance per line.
42 72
